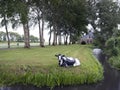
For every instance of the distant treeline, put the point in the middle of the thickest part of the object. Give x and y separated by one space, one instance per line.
15 37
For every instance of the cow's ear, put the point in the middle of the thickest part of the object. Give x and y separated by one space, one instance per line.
56 55
59 54
63 55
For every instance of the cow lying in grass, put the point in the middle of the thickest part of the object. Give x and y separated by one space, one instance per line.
67 61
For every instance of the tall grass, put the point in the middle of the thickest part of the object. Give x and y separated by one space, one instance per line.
39 67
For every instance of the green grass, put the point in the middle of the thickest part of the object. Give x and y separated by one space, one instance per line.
39 66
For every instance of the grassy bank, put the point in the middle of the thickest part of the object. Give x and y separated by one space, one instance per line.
39 67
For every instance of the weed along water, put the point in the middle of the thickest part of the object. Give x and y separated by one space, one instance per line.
111 80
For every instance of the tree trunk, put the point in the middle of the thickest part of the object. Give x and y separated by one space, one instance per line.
54 36
40 35
26 36
70 39
41 41
7 32
66 40
59 39
43 23
50 36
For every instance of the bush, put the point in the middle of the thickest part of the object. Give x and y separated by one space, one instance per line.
115 62
115 51
112 48
110 43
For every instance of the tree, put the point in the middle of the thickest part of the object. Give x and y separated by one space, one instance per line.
108 13
103 15
67 15
21 16
92 13
50 33
14 36
2 35
5 14
33 39
38 8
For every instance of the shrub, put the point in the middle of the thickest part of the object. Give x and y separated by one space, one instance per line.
112 48
115 62
110 43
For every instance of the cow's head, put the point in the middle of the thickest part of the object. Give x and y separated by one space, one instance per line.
61 59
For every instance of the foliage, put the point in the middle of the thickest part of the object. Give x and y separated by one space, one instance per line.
112 49
15 37
40 67
115 62
5 14
118 42
33 39
64 16
68 16
2 35
104 17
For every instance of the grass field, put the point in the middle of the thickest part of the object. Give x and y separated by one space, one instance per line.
39 66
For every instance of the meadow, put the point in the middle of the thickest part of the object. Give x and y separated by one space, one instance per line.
39 67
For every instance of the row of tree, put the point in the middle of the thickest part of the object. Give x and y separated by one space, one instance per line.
64 17
15 37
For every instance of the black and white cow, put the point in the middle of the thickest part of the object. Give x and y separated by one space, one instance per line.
67 61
